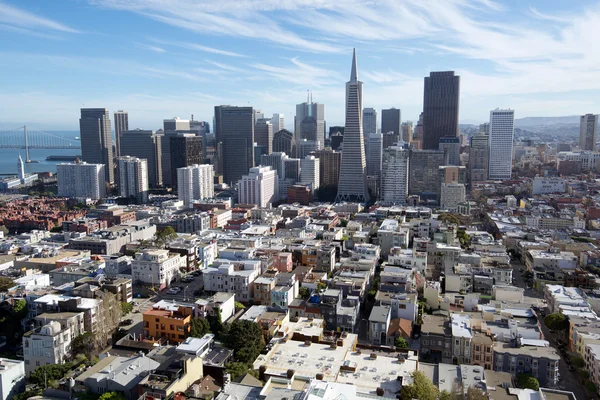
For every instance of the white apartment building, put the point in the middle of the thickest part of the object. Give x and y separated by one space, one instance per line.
391 234
501 144
551 259
451 195
133 178
310 172
81 180
259 187
230 276
588 132
195 182
545 185
462 337
49 344
12 378
394 174
157 267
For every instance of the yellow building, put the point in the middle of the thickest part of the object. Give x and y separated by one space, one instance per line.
169 321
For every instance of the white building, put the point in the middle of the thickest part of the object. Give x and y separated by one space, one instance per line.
390 234
195 182
394 180
224 302
374 154
276 161
157 267
49 344
588 132
259 187
278 122
545 185
369 121
81 180
589 160
451 195
230 276
12 378
310 172
501 144
133 178
549 222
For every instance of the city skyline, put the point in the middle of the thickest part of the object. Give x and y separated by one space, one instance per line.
73 61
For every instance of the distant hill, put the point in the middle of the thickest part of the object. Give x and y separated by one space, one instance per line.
544 121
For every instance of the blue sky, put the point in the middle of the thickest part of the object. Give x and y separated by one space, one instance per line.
163 58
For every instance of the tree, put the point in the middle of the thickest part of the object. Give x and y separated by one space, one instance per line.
84 344
237 369
4 230
556 322
216 322
199 327
422 388
239 306
590 386
526 381
321 286
112 396
304 292
578 362
51 372
246 340
401 343
126 307
6 283
166 234
474 393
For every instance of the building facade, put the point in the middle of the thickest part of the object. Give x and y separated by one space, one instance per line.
195 182
259 187
263 134
478 157
156 267
369 121
394 186
234 135
424 173
588 132
329 166
310 123
96 139
121 124
147 145
185 150
81 180
391 122
133 178
440 108
310 172
501 144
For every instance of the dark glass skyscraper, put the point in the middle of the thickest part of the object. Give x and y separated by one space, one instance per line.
96 139
186 150
121 125
147 145
390 121
234 130
440 108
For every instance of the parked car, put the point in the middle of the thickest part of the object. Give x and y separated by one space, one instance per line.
174 290
126 322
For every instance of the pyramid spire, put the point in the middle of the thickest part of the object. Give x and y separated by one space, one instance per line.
354 72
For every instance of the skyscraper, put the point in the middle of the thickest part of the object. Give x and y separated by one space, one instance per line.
263 134
407 131
310 122
81 180
478 157
121 124
501 144
394 179
451 148
309 172
329 167
423 173
278 122
276 161
258 187
96 139
195 182
176 124
369 121
588 132
374 154
234 131
440 108
391 120
147 145
353 179
133 178
283 141
292 169
186 150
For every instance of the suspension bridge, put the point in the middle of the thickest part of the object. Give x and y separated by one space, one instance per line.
23 138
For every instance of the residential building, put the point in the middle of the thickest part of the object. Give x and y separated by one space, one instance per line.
310 172
436 339
12 378
283 141
329 166
374 154
145 145
423 174
133 178
157 267
195 182
588 132
452 194
276 161
451 148
232 277
121 125
96 140
353 178
478 157
592 362
462 336
310 123
221 301
547 185
263 134
234 135
440 108
259 187
391 122
113 240
534 357
379 323
81 180
49 344
394 180
501 144
168 320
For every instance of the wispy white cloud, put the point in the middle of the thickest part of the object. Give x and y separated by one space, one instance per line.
26 22
199 47
150 47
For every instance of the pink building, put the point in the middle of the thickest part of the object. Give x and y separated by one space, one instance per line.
282 262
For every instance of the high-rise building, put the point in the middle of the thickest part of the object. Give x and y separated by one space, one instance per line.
81 180
336 140
353 178
263 134
478 157
147 145
305 147
195 182
374 154
484 129
121 124
451 195
292 169
407 132
423 174
258 187
234 132
186 150
391 122
588 132
369 121
200 127
176 124
96 139
389 139
451 148
417 142
276 161
278 122
133 178
440 108
501 144
310 122
329 167
283 141
394 179
258 114
310 172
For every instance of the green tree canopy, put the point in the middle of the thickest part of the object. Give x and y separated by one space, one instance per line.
474 393
199 327
239 306
556 322
6 283
578 362
246 340
422 388
401 343
321 285
237 369
216 323
304 292
166 234
51 372
126 307
526 381
84 344
112 396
